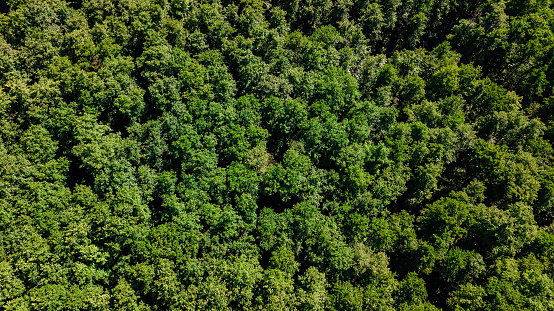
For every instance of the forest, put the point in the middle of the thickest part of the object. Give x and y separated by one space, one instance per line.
277 155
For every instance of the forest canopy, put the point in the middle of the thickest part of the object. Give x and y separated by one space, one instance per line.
276 155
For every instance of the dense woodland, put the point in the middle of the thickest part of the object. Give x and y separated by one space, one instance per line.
276 155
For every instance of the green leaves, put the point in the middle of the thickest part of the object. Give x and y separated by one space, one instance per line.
292 155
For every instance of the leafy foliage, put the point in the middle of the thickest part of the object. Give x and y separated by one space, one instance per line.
276 155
